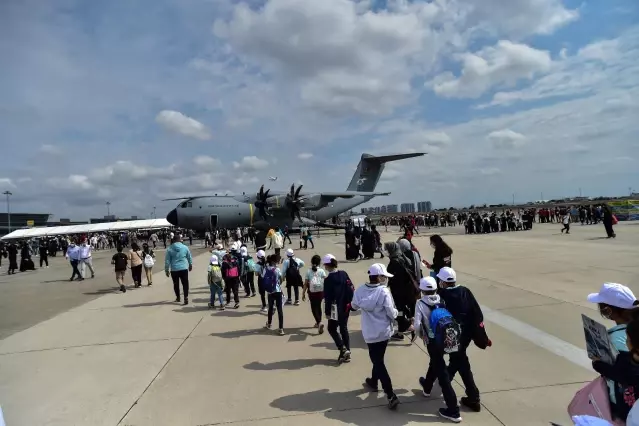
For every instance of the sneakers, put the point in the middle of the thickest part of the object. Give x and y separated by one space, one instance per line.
178 300
393 402
316 325
297 303
344 356
281 332
186 301
222 308
253 295
267 326
123 289
288 302
397 337
372 385
237 306
473 404
422 383
347 356
452 415
211 305
264 309
321 329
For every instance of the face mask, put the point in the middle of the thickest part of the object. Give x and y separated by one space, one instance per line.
383 281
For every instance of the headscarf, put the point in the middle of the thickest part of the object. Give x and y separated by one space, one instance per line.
414 258
395 252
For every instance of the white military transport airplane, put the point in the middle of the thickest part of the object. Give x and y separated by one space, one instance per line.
267 209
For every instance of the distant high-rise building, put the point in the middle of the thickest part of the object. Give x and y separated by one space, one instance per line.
408 207
392 208
424 206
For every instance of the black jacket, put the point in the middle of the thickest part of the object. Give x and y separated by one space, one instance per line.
338 289
441 258
625 373
461 303
400 284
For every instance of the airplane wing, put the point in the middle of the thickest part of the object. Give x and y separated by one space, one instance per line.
331 196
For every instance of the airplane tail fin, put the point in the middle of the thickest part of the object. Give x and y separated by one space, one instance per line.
370 169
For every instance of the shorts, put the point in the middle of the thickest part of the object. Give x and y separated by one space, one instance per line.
119 275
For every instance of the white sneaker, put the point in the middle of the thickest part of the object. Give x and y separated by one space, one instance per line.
264 310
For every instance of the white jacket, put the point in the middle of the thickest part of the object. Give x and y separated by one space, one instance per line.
421 322
378 311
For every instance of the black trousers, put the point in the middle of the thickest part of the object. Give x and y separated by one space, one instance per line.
232 285
376 352
609 231
275 300
316 308
459 363
178 276
76 271
260 288
296 290
341 338
136 274
437 370
44 258
248 283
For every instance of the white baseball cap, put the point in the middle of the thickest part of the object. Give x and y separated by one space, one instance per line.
427 284
614 294
243 251
261 254
447 274
214 260
377 269
327 259
234 247
290 252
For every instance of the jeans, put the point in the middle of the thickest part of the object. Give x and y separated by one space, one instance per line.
275 300
437 371
216 289
177 276
341 339
248 283
376 352
232 285
459 363
316 308
86 262
296 290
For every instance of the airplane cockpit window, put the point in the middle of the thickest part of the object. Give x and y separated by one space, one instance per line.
186 204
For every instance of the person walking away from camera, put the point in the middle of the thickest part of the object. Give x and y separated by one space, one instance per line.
136 261
259 271
231 275
148 257
401 286
378 316
272 282
178 262
248 272
44 253
73 255
286 235
608 221
461 303
378 241
625 373
119 262
292 276
216 283
617 303
277 242
430 303
309 239
314 286
442 257
338 294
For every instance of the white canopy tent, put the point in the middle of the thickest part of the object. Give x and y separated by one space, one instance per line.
86 229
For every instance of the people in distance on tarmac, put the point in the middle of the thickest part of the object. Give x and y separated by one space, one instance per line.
136 262
442 256
291 274
259 271
216 283
428 317
378 314
148 263
119 262
178 262
338 294
617 303
461 303
625 374
86 258
12 254
314 286
248 272
401 286
272 282
566 223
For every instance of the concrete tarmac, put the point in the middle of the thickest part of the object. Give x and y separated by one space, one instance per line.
141 359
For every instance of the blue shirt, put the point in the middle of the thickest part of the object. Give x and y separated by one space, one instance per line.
300 264
178 257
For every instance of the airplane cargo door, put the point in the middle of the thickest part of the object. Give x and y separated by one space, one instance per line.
213 221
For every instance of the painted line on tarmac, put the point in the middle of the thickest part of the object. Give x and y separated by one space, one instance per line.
538 337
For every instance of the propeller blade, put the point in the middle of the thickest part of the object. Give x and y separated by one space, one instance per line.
266 194
293 191
297 193
262 191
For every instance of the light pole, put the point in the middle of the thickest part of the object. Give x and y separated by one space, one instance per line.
8 194
513 199
108 204
154 215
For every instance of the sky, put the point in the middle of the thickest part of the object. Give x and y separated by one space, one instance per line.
133 102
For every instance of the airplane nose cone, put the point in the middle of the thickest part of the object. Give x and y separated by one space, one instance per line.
172 217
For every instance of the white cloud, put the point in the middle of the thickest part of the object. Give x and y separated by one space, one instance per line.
50 149
6 183
128 173
246 179
205 161
250 163
304 155
177 122
490 171
71 182
506 139
504 64
603 50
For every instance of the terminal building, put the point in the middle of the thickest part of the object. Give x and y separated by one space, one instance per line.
21 221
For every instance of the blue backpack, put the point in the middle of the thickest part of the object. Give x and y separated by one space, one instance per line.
446 330
270 280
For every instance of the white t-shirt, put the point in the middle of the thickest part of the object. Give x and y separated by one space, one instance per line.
316 280
633 416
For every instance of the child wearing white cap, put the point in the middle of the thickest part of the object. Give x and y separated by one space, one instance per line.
437 369
216 283
378 316
259 271
616 302
291 274
338 293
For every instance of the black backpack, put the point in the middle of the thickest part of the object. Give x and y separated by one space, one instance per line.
293 276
